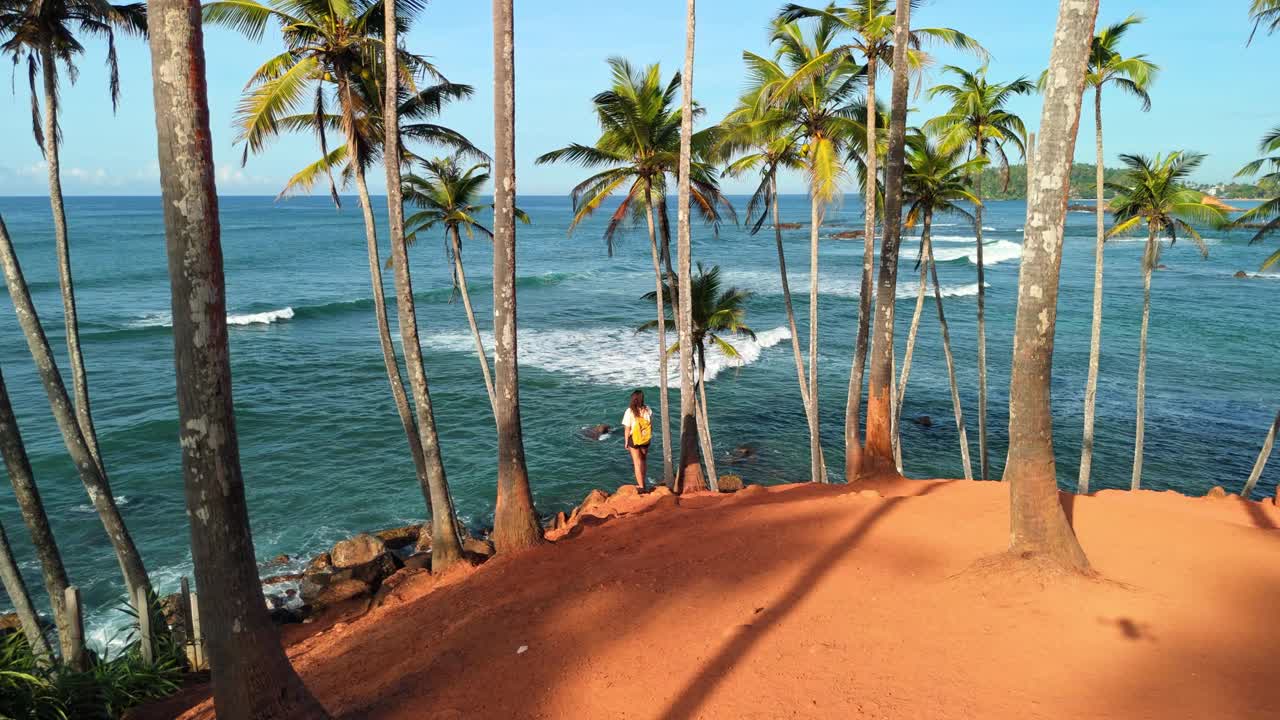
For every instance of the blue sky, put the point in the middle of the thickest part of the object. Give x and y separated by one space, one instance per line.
1210 96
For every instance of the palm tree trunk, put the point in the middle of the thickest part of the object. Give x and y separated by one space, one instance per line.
915 317
91 473
16 588
817 466
879 442
25 492
444 524
809 413
1261 462
1148 265
1095 334
252 675
852 443
471 316
515 521
79 378
663 377
982 317
1038 525
689 478
951 363
704 426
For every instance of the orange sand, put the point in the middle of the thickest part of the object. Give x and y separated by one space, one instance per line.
827 602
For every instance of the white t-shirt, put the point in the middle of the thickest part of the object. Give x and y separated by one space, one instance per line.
628 419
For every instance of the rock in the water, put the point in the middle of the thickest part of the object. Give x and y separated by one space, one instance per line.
729 483
277 561
596 432
1217 491
741 454
320 563
358 550
923 420
848 234
1162 266
1241 275
399 537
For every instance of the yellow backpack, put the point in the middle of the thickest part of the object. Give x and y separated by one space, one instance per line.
641 430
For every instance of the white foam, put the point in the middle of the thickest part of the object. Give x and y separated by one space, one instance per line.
260 318
121 500
992 253
910 290
610 356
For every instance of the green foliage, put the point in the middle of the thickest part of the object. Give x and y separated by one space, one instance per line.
1265 15
977 118
715 313
1265 217
1082 181
111 685
1154 192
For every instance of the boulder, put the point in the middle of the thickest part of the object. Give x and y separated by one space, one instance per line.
1241 275
335 592
399 537
420 561
277 561
923 420
9 623
596 432
477 546
593 498
742 453
626 492
424 541
660 491
391 584
359 550
729 483
848 234
789 226
560 521
1217 491
320 563
874 494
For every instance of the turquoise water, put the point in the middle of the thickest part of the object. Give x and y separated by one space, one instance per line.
324 455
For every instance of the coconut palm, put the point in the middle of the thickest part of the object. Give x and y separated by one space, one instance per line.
1267 215
14 454
978 120
334 55
935 183
637 152
254 678
869 25
1265 14
446 197
814 84
715 313
1153 192
43 34
1133 75
1038 527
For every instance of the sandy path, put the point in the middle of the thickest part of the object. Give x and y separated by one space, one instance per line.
820 602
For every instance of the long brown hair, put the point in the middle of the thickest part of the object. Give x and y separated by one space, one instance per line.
637 402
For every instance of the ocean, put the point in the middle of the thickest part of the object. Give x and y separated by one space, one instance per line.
324 455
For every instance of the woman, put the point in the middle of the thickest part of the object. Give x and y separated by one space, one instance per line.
637 426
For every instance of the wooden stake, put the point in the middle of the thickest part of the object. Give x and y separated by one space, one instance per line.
75 634
1262 459
184 601
197 638
143 607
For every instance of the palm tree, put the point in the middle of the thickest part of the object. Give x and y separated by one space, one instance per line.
1133 75
979 121
870 25
446 543
337 50
637 151
813 83
43 33
92 475
881 435
1153 192
515 521
1038 526
16 588
253 676
14 453
715 312
1264 14
1268 213
934 183
446 196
